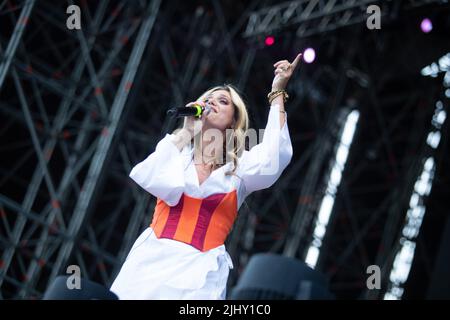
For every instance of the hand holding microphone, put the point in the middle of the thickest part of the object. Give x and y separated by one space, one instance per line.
194 121
193 109
195 114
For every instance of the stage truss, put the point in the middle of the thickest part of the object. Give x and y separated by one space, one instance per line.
81 107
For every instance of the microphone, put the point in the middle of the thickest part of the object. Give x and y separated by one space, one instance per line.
194 111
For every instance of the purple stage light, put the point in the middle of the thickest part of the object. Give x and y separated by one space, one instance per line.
426 25
309 55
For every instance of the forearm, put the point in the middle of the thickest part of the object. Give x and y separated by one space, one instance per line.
181 138
280 101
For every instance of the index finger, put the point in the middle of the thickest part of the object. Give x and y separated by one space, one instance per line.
296 61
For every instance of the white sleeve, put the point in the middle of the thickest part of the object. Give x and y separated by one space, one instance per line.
261 167
162 172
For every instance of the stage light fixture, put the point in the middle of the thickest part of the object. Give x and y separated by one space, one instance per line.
269 41
426 25
309 55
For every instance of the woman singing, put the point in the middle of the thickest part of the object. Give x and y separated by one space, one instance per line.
200 182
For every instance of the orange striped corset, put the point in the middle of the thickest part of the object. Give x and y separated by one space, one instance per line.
201 223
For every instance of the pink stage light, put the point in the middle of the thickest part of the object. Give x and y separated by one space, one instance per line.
269 41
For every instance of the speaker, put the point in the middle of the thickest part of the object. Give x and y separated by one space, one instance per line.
59 290
270 276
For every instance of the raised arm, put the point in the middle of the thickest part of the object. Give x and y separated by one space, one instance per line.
263 164
283 72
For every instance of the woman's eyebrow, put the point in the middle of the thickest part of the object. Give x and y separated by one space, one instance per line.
220 96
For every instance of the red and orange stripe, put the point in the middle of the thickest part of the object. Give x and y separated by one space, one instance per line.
201 223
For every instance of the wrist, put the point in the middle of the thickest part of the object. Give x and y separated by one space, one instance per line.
186 135
275 94
277 100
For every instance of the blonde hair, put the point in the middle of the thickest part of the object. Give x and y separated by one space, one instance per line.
234 143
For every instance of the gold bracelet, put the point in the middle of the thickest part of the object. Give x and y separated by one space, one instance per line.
273 94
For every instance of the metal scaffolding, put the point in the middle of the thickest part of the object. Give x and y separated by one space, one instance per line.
317 16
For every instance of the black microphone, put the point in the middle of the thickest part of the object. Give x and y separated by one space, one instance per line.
195 111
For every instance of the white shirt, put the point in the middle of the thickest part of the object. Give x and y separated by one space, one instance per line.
167 173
